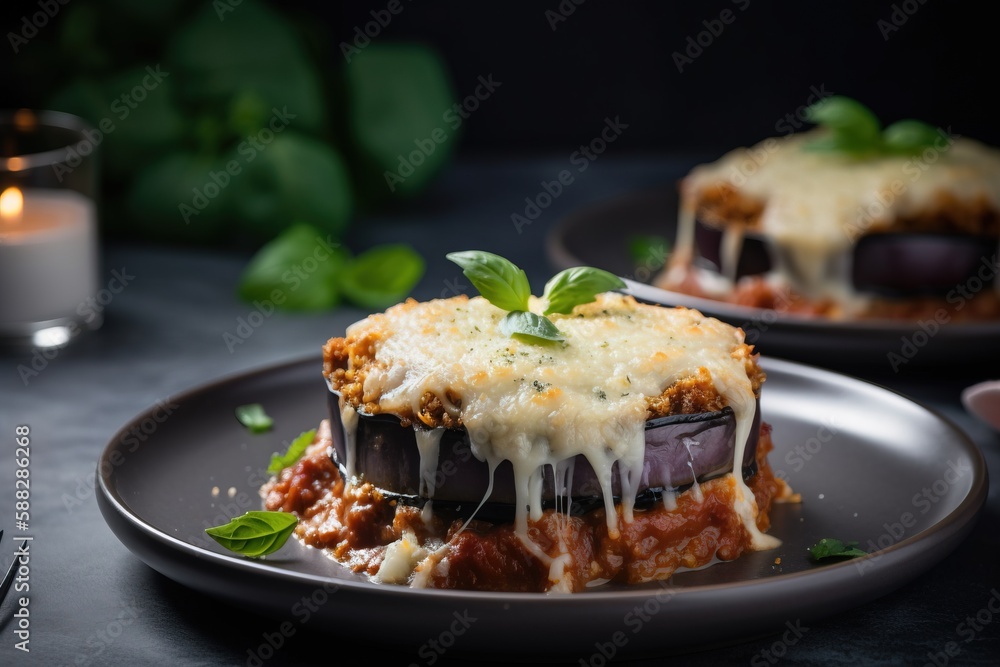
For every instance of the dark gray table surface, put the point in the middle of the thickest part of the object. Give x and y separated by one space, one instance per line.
93 602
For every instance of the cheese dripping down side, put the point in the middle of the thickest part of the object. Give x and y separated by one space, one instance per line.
540 405
817 204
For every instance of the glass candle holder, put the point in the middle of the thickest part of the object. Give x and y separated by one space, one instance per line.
49 251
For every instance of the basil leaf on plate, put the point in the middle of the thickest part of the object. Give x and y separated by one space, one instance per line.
648 251
497 279
831 548
294 452
525 323
256 533
382 276
578 285
254 418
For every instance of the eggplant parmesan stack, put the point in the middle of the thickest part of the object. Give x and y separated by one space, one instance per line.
783 226
459 457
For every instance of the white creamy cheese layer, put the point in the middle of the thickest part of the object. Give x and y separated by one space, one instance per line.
539 405
817 204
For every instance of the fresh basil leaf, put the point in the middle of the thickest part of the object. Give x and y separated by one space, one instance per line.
525 323
297 270
831 548
393 94
648 251
845 116
497 279
909 136
572 287
293 453
256 533
254 418
382 276
842 143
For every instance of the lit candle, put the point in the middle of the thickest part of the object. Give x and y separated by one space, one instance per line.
48 256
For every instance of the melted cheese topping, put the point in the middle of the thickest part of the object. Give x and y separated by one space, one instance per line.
539 405
817 204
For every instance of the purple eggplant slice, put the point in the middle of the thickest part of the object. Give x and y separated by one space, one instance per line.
754 258
679 450
916 264
896 264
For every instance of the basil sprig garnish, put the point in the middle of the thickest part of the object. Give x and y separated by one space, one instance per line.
568 289
831 548
527 323
293 454
497 279
853 128
506 286
256 533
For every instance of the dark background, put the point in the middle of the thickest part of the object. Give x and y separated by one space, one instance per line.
616 59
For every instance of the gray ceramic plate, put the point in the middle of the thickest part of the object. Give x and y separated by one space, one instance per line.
871 466
598 236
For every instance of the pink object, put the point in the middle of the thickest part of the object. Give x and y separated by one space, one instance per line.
983 401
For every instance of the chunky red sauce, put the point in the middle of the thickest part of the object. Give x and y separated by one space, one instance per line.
356 524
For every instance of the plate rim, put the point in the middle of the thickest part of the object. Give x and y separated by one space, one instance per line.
961 518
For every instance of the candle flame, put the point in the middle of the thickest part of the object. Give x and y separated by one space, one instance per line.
11 204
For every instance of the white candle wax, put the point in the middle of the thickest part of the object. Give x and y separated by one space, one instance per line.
48 258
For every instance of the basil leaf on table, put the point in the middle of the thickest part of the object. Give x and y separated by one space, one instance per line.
294 452
525 323
254 418
299 268
578 285
256 533
382 276
499 281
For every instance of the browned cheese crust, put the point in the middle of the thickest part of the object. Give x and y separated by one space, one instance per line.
348 360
